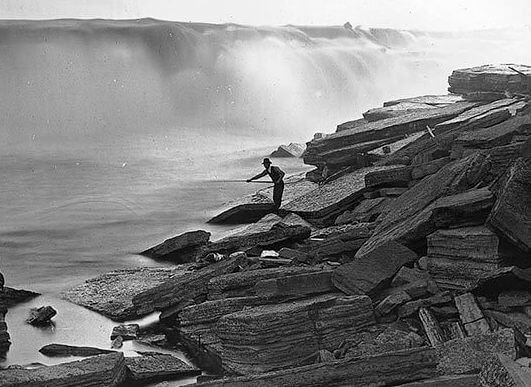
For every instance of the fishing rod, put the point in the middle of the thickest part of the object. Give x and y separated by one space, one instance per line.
241 181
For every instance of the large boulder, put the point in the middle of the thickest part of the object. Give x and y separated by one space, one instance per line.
511 214
247 209
41 316
111 294
103 370
373 271
180 249
428 205
278 336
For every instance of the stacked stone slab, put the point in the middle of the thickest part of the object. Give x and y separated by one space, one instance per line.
458 257
272 337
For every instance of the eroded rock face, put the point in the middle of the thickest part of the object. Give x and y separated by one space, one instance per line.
103 370
271 337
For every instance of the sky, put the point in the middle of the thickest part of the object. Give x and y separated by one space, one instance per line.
441 15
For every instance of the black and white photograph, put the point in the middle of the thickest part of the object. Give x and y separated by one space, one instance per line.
287 193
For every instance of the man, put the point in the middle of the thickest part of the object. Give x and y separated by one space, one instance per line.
276 174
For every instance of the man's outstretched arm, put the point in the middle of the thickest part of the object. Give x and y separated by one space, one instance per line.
262 174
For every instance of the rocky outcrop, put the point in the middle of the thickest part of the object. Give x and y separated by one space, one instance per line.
396 110
63 350
111 294
511 214
180 249
382 130
367 211
386 369
152 366
291 150
271 337
428 206
13 297
103 370
490 78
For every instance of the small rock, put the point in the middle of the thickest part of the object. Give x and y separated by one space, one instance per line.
126 331
269 254
41 316
238 254
117 343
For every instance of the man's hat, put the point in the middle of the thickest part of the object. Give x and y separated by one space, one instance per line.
266 161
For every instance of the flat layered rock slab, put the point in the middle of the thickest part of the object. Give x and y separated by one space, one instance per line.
402 125
103 370
395 110
368 274
242 283
152 366
296 286
473 113
111 294
270 337
511 214
496 135
434 100
498 78
63 350
386 369
331 197
447 381
247 209
419 211
180 249
175 293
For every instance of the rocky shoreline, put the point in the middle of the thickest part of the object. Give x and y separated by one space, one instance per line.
404 258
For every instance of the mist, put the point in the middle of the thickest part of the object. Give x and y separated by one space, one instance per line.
72 83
